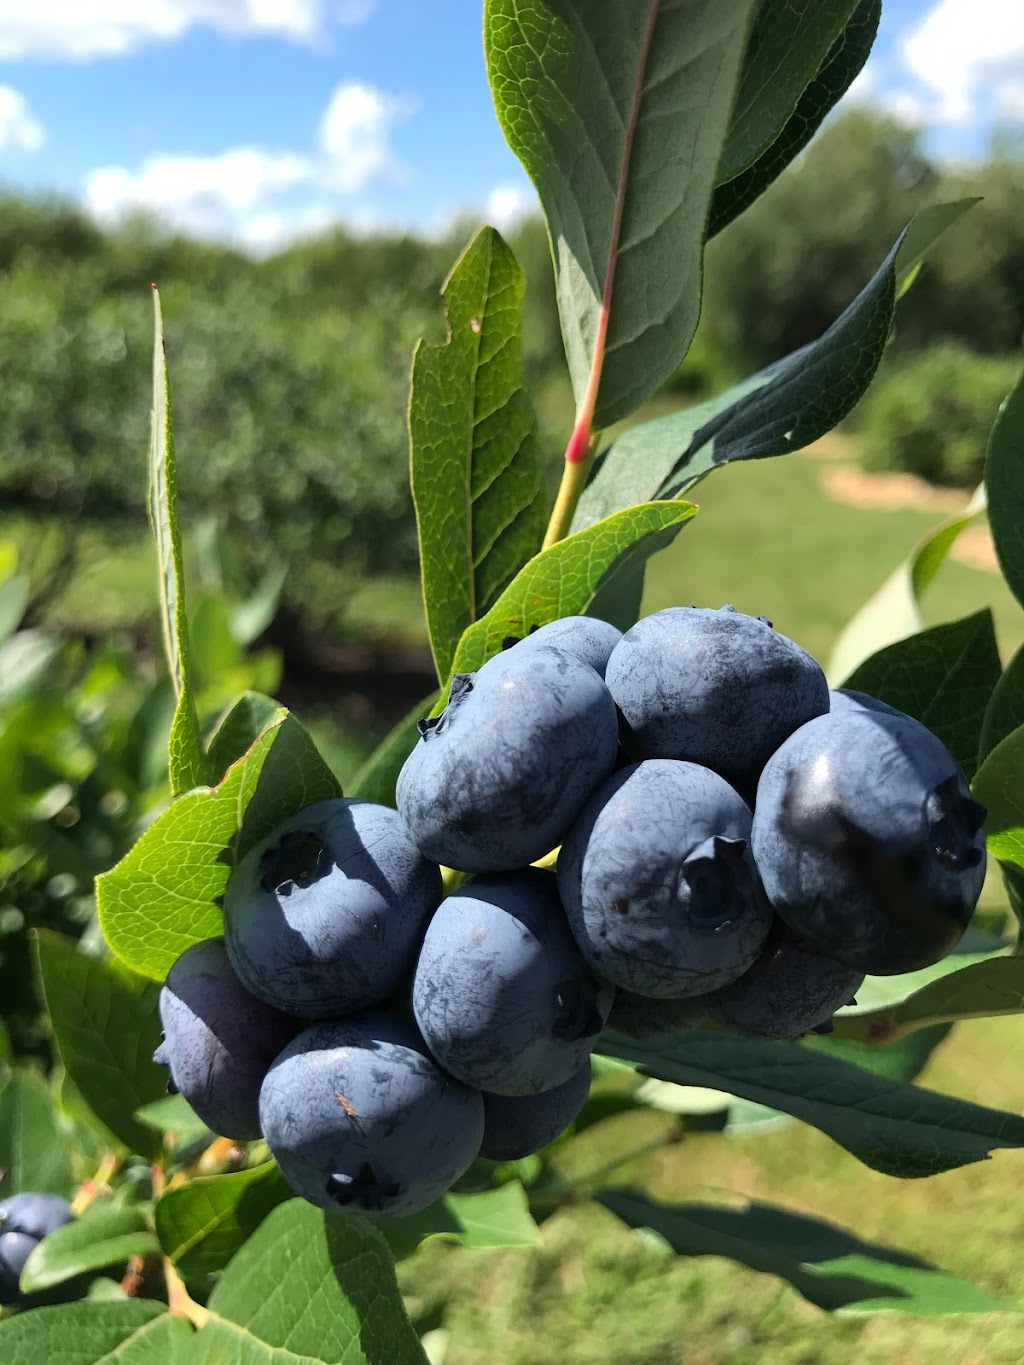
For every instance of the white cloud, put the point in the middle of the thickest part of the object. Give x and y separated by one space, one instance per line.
257 197
970 55
82 29
206 195
507 205
354 136
20 130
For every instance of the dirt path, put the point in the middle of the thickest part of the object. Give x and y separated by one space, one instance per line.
848 483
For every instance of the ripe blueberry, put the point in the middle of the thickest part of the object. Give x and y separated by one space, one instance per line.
868 842
323 917
498 777
219 1040
658 883
502 996
359 1117
716 688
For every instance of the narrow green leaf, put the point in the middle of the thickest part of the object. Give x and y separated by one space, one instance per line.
826 1264
34 1154
843 63
106 1027
892 1127
1004 478
781 409
893 612
165 894
240 727
486 1221
943 677
14 595
618 113
1005 711
173 1114
309 1288
105 1235
94 1332
565 579
187 764
249 619
476 473
901 1059
375 780
789 41
979 989
496 1218
999 786
202 1224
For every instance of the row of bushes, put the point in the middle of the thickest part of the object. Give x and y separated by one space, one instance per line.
930 413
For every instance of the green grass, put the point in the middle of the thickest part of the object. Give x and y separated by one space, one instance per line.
768 540
596 1294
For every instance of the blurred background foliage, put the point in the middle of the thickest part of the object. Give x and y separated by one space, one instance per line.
289 384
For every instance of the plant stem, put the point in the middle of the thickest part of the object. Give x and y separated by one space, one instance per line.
574 477
179 1302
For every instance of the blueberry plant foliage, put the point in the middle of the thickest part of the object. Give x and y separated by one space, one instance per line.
645 126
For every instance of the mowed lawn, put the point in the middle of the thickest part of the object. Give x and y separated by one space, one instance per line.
769 540
596 1294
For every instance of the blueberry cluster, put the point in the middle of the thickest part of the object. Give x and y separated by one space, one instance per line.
737 844
25 1219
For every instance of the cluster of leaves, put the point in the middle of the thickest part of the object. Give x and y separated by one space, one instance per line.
640 127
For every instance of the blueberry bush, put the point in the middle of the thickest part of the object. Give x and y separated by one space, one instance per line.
315 1028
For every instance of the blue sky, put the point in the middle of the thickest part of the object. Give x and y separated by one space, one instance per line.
259 120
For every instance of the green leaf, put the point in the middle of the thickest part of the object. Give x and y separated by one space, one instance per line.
249 619
95 1332
187 762
942 677
781 409
999 786
618 113
893 612
902 1059
240 727
476 473
826 1264
203 1223
14 595
486 1221
495 1218
103 1236
978 989
106 1027
173 1114
1004 478
843 63
789 41
375 780
1005 710
565 579
894 1128
165 894
34 1153
309 1288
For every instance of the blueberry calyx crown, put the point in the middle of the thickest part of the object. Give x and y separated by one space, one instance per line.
714 874
295 861
577 1016
366 1188
953 824
462 685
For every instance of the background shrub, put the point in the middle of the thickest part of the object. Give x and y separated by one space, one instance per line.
930 413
